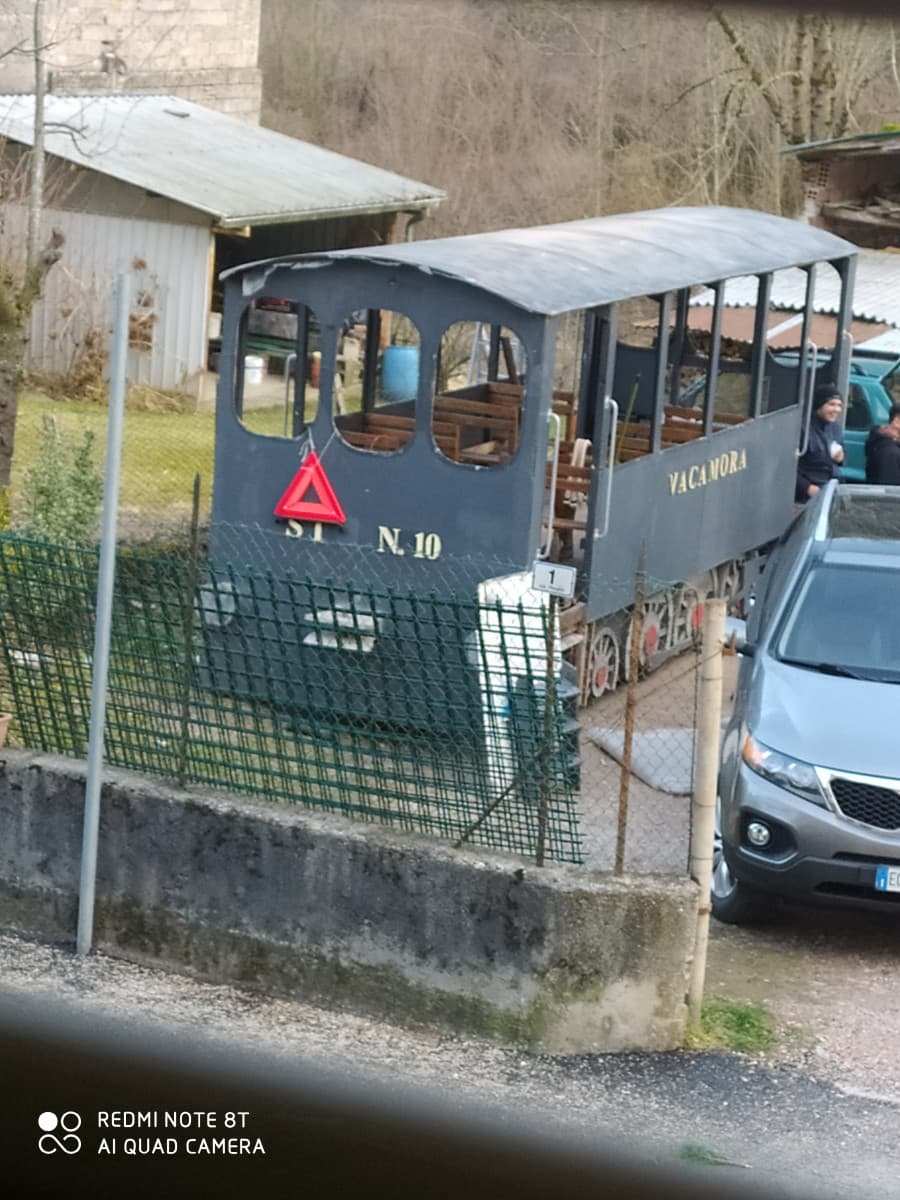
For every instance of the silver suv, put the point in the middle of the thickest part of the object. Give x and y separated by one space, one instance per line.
809 785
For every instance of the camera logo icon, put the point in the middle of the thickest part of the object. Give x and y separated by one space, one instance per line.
67 1140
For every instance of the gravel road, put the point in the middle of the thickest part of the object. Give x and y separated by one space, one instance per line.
816 1118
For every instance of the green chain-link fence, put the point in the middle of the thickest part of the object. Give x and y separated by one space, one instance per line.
427 713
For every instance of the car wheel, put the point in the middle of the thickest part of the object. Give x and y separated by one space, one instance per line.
732 902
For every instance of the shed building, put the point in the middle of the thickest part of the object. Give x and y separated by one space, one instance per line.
175 193
851 188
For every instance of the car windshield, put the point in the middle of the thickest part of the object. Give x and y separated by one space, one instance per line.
891 383
843 620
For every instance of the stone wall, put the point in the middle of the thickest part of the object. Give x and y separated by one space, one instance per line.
350 915
203 50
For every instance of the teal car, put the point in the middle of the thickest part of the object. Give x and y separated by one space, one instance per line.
874 385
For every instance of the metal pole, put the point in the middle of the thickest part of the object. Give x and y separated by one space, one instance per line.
703 814
190 604
103 624
634 670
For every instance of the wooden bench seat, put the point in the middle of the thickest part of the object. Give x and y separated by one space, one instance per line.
479 422
672 433
369 440
570 478
386 432
633 437
679 413
573 485
564 406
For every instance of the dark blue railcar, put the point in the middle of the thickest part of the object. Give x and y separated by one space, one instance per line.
483 401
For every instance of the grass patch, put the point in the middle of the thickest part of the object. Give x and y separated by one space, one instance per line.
161 451
704 1156
727 1025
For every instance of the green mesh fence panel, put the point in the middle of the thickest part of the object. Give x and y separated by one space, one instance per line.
427 713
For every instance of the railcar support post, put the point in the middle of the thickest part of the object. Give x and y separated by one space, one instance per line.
706 774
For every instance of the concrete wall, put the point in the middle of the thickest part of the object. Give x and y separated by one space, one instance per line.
204 50
350 915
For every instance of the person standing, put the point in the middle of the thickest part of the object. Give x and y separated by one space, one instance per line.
824 453
883 450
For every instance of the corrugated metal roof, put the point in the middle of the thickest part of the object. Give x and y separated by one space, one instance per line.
889 342
553 269
241 174
876 295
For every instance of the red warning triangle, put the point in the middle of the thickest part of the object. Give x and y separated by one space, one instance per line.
311 478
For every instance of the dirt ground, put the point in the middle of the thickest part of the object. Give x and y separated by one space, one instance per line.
827 975
657 821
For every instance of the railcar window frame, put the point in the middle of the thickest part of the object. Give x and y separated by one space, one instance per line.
503 341
295 381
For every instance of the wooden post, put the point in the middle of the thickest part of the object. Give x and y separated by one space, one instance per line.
706 776
634 670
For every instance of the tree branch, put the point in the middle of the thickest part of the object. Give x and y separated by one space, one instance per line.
36 273
770 99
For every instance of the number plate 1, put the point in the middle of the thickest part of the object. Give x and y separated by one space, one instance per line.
554 578
887 879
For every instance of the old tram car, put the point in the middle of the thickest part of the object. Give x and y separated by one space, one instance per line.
559 396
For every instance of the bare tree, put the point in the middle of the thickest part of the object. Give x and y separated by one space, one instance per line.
811 75
542 110
21 282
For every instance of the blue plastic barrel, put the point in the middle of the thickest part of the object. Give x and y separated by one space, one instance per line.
400 373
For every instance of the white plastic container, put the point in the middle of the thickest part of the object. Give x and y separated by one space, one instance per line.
254 369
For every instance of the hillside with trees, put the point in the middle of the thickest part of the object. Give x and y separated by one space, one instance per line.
528 111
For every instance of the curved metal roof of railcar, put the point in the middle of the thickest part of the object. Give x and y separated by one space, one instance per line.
552 269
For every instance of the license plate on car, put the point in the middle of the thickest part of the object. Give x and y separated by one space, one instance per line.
887 879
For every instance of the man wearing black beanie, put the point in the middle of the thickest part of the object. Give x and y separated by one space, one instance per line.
824 452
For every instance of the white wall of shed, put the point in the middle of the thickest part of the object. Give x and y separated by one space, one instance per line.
79 289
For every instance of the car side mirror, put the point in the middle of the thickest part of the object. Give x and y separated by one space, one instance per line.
735 637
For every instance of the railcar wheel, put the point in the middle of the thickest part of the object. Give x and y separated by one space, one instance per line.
656 632
603 662
689 605
728 581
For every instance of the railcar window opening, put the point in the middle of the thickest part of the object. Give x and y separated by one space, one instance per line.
276 368
755 329
568 365
711 364
569 451
648 385
681 372
803 334
826 288
479 394
378 363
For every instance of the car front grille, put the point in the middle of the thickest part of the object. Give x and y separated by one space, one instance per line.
866 802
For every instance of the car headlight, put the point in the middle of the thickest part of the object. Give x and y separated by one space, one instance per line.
797 777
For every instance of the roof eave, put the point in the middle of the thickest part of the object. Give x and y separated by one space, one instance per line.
233 221
849 147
